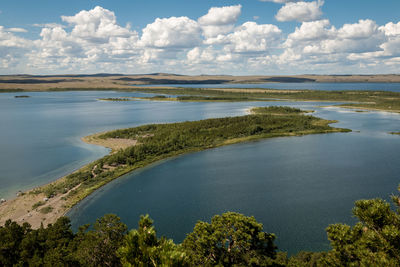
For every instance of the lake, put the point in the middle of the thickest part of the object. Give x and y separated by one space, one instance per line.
295 186
40 135
393 87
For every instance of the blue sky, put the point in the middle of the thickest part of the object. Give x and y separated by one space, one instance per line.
200 36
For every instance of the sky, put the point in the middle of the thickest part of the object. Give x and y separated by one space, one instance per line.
193 37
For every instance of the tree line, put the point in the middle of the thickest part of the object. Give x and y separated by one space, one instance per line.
230 239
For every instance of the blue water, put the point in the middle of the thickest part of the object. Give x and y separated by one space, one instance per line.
295 186
40 135
393 87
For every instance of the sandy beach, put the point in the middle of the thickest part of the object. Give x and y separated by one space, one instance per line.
36 208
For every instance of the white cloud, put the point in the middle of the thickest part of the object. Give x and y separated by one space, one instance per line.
318 43
92 41
48 25
180 32
16 30
300 11
8 39
309 31
362 29
252 37
97 25
221 15
198 55
219 20
12 49
391 29
392 46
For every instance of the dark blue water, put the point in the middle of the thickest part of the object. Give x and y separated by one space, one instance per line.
295 186
393 87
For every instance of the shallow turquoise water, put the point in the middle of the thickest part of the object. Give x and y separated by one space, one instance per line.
295 186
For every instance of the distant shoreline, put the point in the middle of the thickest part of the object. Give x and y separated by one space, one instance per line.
117 81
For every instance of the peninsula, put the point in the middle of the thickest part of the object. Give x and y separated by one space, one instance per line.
137 147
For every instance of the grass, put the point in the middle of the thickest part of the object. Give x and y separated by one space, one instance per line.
38 204
47 209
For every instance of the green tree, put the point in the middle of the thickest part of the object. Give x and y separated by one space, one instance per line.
98 247
374 241
11 236
231 239
142 248
47 246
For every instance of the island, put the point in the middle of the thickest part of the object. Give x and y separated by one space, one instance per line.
138 147
22 96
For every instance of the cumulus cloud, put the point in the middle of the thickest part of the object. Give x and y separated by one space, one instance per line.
314 30
178 32
253 37
392 46
319 43
391 29
96 25
95 38
300 11
198 55
219 20
93 41
12 48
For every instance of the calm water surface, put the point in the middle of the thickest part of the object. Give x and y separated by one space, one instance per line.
393 87
294 186
40 135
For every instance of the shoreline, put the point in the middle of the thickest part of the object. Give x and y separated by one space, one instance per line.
36 207
20 209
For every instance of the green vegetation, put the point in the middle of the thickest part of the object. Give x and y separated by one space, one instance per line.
277 110
231 239
38 204
398 133
115 99
160 141
46 210
216 98
21 96
380 100
188 98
